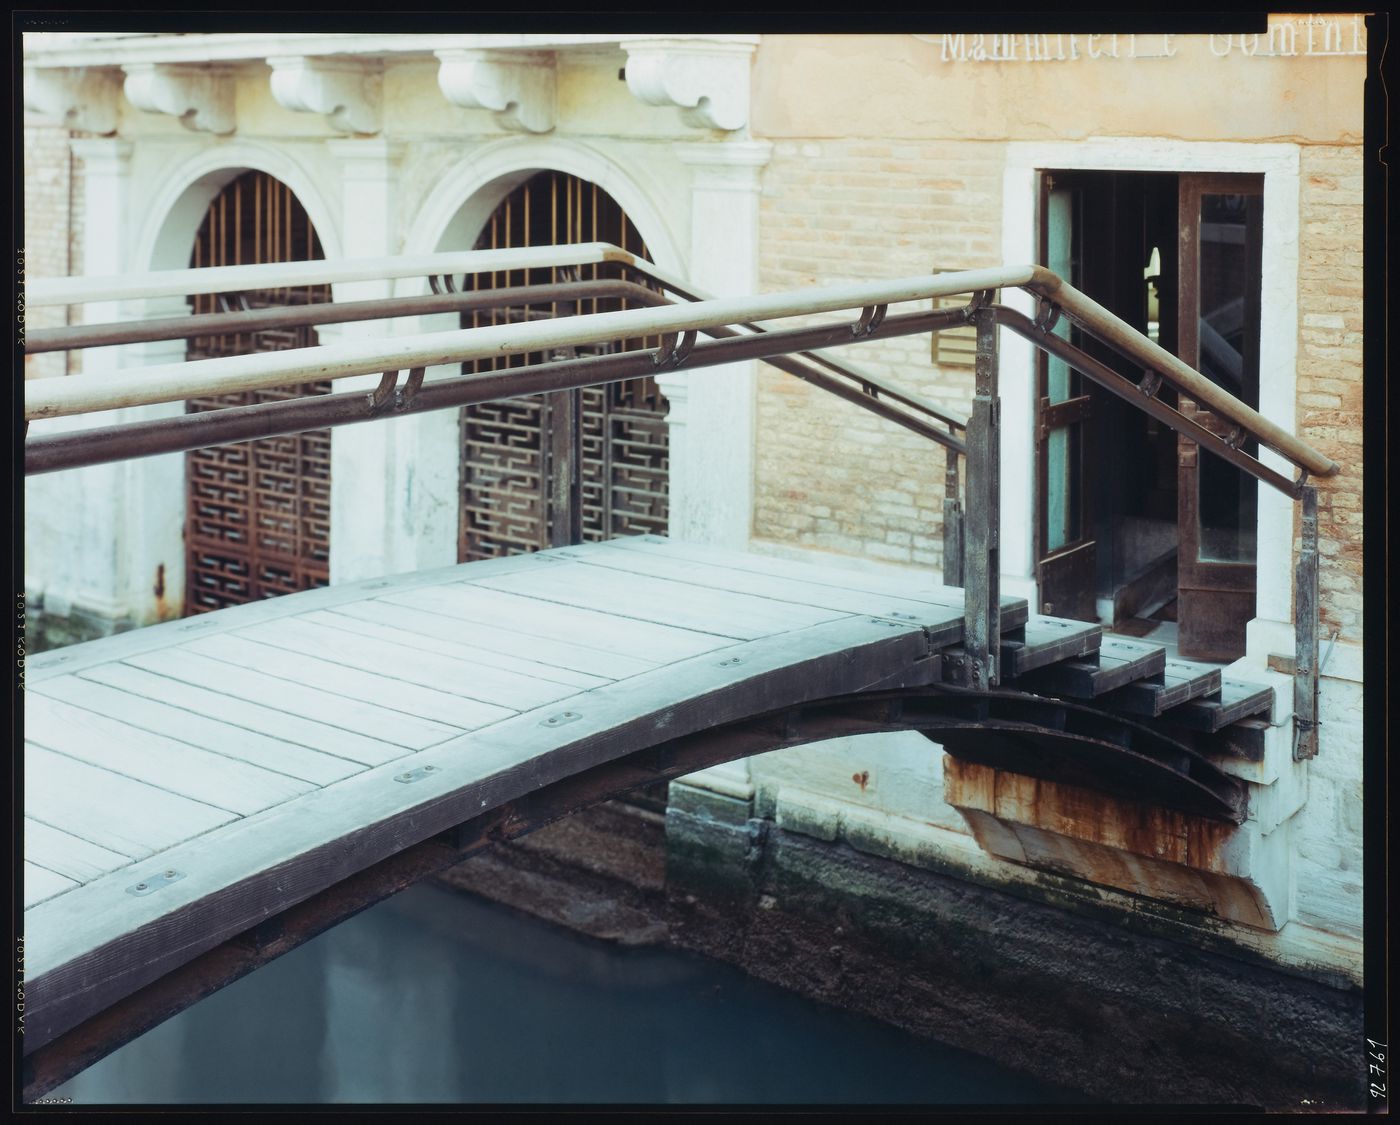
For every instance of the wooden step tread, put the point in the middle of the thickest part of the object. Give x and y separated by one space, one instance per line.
1181 682
1047 640
1238 700
1120 661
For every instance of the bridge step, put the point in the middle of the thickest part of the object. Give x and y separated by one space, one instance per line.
1046 640
1182 681
1119 662
1238 700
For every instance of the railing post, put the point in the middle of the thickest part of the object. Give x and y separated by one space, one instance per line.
564 421
952 523
1305 607
982 539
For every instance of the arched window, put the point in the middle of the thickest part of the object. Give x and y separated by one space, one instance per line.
257 520
505 506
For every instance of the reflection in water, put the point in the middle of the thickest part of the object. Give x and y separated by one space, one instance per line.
437 997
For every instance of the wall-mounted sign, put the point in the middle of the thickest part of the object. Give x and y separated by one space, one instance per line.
1287 37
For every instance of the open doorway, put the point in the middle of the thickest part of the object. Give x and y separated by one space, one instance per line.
1134 525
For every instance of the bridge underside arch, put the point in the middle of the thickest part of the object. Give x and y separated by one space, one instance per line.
419 718
1042 737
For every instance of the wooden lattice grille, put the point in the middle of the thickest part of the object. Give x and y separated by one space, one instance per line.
257 513
505 460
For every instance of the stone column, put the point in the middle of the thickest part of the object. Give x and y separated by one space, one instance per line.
153 521
712 409
388 478
74 519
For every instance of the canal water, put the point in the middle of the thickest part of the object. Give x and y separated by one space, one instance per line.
439 997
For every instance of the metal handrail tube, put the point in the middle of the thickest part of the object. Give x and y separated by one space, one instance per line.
332 312
78 394
254 320
1127 390
844 366
1103 325
1082 310
241 423
293 275
945 319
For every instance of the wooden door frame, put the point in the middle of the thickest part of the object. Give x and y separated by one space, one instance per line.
1072 565
1234 583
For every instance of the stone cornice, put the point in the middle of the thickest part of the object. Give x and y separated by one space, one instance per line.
63 49
82 98
517 86
200 97
347 91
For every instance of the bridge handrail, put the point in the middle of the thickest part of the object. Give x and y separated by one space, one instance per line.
171 382
79 394
865 388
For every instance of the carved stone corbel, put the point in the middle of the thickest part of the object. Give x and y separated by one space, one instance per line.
517 86
199 95
348 91
708 82
83 98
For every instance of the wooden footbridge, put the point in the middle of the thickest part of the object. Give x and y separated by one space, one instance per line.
203 795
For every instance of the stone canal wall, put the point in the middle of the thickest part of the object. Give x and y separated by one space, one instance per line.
1055 979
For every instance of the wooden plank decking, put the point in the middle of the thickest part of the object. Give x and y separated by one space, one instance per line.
259 753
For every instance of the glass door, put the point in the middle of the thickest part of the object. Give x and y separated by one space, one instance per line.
1221 225
1065 552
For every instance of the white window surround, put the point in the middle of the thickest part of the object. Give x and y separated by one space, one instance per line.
1278 345
182 195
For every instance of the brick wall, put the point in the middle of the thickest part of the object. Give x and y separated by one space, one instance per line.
829 475
1329 366
48 191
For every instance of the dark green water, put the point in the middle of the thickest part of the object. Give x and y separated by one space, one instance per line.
434 996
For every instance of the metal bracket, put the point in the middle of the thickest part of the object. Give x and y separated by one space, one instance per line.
153 883
227 301
405 395
1232 439
443 283
1151 384
980 300
415 774
1326 656
380 396
560 719
871 317
1046 316
674 350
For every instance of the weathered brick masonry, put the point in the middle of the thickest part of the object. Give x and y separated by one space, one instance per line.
829 475
1329 366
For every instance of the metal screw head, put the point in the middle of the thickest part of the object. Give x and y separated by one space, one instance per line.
140 886
429 769
170 872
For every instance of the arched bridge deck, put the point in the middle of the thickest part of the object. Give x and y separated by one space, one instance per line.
190 784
